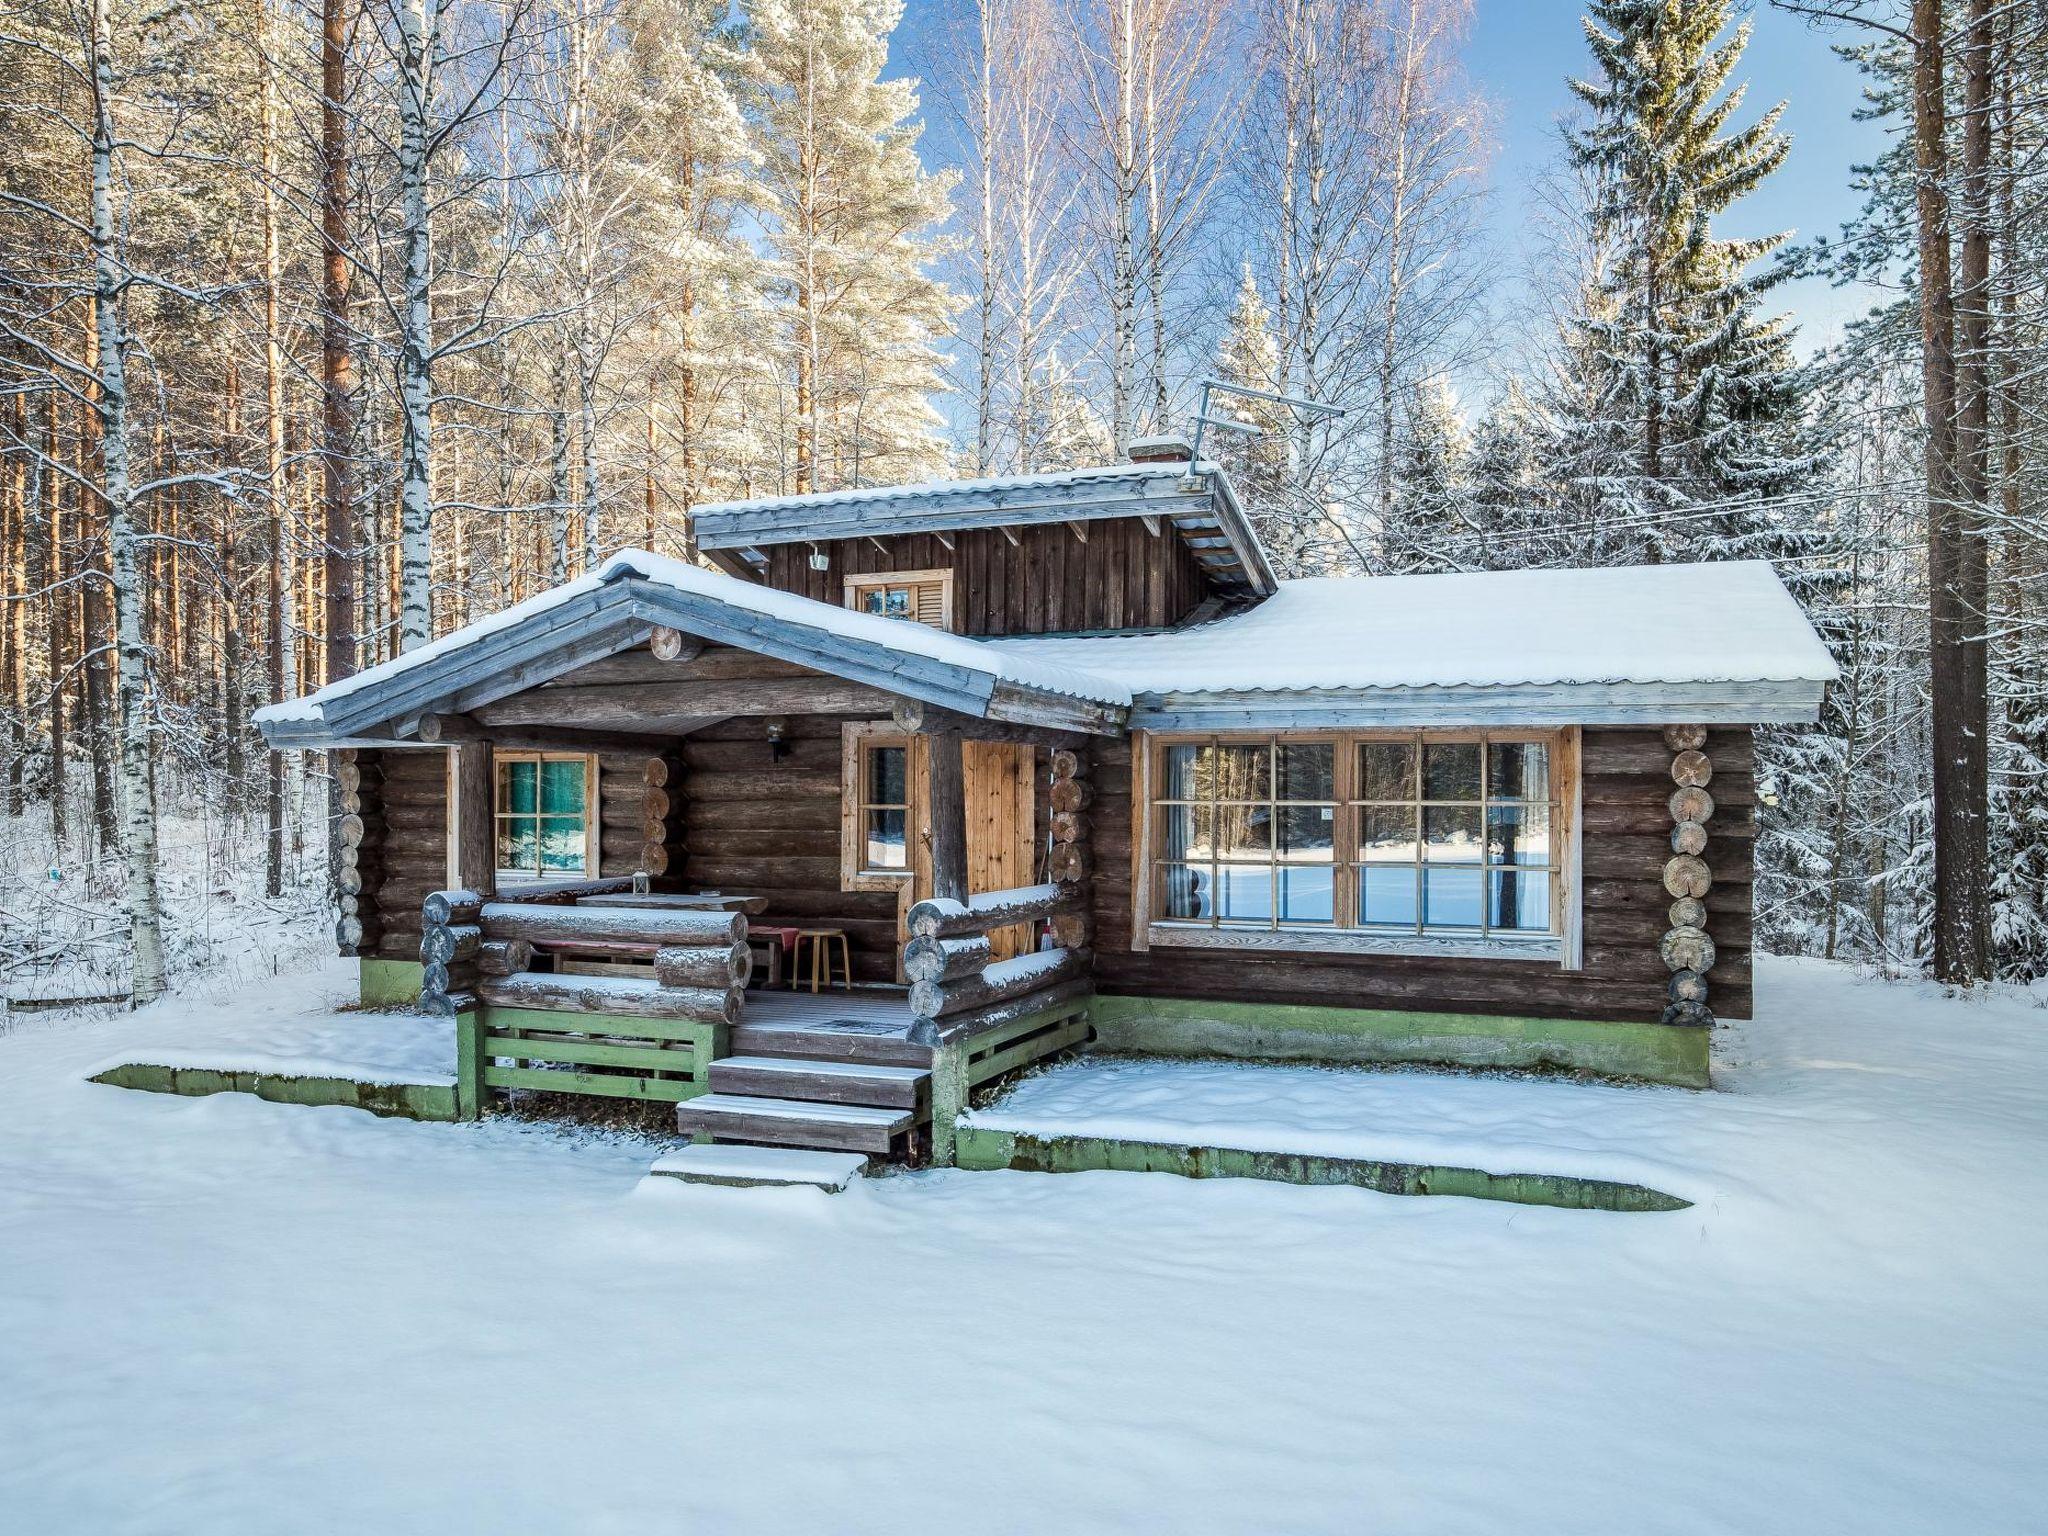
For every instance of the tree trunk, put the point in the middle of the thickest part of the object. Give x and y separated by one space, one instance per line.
1961 895
56 621
138 808
558 422
419 29
94 630
278 593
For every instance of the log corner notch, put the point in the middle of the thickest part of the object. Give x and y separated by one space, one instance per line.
1686 948
359 780
662 851
451 945
960 1002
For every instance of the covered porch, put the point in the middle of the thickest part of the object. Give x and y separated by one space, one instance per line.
745 771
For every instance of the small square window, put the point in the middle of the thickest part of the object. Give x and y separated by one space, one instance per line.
542 814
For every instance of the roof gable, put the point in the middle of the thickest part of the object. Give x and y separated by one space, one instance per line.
1197 501
619 605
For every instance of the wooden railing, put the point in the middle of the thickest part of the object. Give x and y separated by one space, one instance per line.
956 989
650 1036
984 1017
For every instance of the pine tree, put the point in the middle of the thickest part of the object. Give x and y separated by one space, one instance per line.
1688 423
851 210
692 166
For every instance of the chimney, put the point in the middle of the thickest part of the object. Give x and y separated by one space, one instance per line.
1166 448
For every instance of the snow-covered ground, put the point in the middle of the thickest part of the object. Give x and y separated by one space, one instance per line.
221 1315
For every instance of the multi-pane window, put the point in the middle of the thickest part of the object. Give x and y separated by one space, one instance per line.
1455 836
1248 832
1393 835
542 814
923 596
884 811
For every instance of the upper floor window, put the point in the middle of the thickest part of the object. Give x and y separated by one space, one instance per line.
543 814
1430 837
926 596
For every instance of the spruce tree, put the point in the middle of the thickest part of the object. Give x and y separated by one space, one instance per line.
1061 429
1687 422
1430 526
1508 495
852 214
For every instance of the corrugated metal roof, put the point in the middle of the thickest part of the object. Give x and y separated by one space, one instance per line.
1197 500
1730 621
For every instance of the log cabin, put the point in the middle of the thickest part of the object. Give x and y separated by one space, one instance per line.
909 787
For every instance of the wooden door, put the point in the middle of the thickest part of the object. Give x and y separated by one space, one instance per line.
1001 837
1000 844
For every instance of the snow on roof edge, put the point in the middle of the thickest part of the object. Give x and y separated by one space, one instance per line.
926 490
896 634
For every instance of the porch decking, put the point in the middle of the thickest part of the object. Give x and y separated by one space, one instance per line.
871 1024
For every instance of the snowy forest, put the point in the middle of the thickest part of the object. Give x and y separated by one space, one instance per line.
328 327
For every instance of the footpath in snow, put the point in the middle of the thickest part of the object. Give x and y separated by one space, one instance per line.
222 1315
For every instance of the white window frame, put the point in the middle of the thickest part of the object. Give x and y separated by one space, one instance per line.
857 586
1561 945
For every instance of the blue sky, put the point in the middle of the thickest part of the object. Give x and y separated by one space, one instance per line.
1520 52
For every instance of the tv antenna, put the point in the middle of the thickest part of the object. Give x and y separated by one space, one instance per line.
1204 421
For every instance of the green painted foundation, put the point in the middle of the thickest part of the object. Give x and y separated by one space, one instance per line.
981 1148
1658 1053
388 983
406 1101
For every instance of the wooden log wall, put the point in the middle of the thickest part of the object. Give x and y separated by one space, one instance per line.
1123 577
769 826
956 993
663 848
701 960
402 852
1070 860
1626 833
1686 949
624 804
411 796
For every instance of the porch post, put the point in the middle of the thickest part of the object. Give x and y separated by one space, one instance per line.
474 866
946 799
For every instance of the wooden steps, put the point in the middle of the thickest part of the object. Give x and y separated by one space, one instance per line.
749 1167
849 1040
821 1082
794 1122
836 1075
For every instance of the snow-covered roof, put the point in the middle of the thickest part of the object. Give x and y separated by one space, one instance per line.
1196 499
933 493
1716 629
891 647
1721 642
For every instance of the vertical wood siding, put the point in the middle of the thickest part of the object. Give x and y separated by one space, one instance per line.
1124 577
